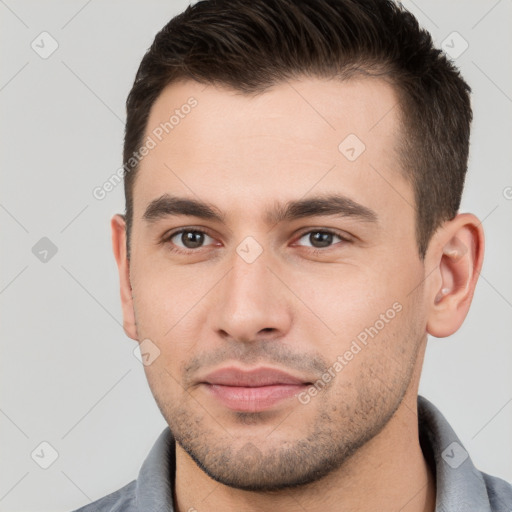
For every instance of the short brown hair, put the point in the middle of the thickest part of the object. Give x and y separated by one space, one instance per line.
250 45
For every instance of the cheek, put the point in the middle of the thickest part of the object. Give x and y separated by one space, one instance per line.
163 380
349 299
163 296
373 359
171 304
370 314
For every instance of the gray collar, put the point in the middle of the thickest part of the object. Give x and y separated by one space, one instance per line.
460 486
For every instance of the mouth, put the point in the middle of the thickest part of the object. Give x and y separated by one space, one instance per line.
255 390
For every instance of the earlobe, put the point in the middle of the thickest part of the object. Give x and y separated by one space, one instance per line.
459 256
118 228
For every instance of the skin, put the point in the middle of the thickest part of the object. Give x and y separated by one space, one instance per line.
353 446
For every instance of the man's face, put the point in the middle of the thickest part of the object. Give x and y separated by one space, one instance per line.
332 299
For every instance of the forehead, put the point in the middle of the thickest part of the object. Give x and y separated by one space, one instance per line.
235 149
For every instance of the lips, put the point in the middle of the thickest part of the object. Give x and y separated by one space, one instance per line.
254 378
254 390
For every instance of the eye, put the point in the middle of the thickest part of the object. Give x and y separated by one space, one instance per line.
322 238
186 240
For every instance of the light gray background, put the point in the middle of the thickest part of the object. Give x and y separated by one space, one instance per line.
68 373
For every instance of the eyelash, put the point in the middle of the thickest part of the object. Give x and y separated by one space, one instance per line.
314 250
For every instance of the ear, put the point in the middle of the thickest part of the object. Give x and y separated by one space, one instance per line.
456 253
118 226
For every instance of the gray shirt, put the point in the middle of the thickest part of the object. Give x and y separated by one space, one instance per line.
460 486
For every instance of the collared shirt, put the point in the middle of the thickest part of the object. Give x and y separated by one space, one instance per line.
460 486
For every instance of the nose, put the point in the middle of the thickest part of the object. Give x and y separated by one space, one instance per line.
251 302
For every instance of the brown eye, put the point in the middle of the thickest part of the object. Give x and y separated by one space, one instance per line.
319 239
188 239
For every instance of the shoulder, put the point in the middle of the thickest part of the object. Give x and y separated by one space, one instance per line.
122 500
499 492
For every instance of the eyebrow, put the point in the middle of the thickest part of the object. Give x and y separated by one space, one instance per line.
322 205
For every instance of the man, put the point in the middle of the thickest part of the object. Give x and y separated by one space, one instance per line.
293 174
